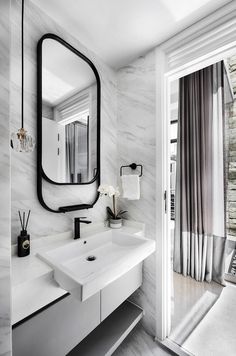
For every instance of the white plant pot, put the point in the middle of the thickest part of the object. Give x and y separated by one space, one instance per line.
115 223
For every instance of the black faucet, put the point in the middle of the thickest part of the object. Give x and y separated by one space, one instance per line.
77 223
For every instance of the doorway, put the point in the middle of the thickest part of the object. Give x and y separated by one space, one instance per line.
192 300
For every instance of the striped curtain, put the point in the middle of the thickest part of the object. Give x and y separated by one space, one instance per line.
76 152
200 234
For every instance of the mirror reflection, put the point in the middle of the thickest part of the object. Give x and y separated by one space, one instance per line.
69 115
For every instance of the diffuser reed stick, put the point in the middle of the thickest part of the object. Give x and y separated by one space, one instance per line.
23 221
20 220
27 219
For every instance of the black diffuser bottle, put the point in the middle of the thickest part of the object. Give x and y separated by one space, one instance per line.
23 238
23 244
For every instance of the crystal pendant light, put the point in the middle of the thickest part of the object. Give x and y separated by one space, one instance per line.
21 141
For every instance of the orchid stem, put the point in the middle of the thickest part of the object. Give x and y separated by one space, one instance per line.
114 205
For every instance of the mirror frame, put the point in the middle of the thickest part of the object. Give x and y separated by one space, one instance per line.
40 172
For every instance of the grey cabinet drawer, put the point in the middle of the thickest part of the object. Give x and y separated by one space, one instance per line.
117 292
57 329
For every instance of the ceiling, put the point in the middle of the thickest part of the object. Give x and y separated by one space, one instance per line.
118 31
58 74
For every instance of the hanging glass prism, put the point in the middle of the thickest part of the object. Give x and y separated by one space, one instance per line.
21 141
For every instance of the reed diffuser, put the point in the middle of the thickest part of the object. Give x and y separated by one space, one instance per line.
24 237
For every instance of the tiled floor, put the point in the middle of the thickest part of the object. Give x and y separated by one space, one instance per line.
204 315
139 343
191 301
204 322
215 334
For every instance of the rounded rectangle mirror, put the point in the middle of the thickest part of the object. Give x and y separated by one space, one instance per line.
69 107
68 122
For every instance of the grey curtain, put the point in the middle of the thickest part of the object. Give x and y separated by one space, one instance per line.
76 152
199 240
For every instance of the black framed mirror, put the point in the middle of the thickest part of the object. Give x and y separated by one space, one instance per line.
68 122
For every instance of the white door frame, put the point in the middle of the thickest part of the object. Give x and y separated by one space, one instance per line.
203 44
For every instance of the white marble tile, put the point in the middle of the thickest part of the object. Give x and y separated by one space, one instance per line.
134 133
23 168
5 238
215 334
191 301
136 143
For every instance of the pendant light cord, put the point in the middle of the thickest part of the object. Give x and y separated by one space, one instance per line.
22 66
21 141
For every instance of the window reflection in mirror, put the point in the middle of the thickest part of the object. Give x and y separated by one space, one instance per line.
69 115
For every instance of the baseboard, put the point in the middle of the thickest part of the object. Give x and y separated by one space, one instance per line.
177 349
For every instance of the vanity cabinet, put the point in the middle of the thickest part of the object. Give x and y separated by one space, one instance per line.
57 329
115 293
60 327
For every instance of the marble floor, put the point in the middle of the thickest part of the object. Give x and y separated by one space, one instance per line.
215 334
203 322
203 317
191 301
139 343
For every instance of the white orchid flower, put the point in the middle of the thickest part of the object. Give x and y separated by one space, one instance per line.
111 191
117 192
105 189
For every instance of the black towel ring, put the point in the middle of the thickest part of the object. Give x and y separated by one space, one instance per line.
133 166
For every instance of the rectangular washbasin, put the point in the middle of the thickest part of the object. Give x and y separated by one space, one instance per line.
85 266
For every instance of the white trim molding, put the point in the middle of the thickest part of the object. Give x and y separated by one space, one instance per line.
177 349
207 35
163 277
206 42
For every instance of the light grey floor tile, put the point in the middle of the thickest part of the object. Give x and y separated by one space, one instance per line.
191 301
215 335
139 343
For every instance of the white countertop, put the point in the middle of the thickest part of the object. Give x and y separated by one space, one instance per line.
33 285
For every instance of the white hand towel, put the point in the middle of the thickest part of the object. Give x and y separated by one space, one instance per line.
131 186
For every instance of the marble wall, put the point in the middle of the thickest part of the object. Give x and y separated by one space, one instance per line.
5 239
23 167
136 143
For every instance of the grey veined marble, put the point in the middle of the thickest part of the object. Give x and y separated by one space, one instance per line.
136 143
23 166
5 237
127 132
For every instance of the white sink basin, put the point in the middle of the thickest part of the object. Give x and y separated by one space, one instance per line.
85 266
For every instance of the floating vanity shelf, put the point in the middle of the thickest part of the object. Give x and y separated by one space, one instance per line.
65 209
105 339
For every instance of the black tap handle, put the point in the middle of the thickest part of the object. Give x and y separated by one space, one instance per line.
77 222
83 221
